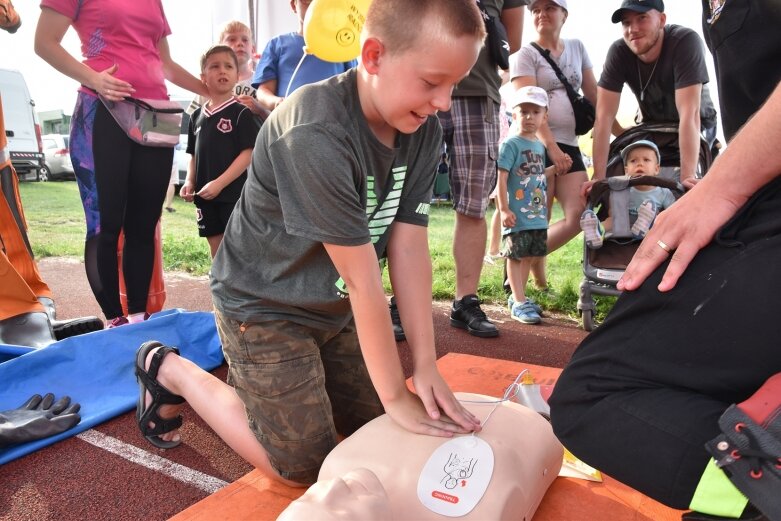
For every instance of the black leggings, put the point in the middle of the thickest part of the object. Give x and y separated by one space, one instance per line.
130 181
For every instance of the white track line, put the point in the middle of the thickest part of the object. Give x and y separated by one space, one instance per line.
208 484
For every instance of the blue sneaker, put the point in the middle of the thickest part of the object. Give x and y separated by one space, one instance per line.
593 232
525 313
511 303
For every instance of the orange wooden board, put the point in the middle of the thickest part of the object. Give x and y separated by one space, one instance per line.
254 497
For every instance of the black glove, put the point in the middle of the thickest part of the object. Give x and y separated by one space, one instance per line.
37 418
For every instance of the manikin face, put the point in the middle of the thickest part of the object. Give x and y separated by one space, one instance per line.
530 117
241 43
548 16
642 31
220 73
357 496
641 161
410 86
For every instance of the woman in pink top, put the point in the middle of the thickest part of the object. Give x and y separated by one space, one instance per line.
122 183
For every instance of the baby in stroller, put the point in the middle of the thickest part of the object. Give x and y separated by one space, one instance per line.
640 158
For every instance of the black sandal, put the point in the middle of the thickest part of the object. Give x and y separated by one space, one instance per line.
147 382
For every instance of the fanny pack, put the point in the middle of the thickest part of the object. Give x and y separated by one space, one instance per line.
496 40
153 123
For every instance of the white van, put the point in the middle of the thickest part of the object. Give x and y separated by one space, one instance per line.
21 125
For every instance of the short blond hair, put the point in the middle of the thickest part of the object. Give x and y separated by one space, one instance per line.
399 23
234 26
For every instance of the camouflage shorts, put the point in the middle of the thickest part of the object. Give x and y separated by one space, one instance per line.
526 243
300 386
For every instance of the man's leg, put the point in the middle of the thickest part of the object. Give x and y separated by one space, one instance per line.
475 135
664 367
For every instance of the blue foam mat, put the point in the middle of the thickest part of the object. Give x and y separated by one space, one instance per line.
97 369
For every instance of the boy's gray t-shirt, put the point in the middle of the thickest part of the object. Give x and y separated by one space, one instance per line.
318 175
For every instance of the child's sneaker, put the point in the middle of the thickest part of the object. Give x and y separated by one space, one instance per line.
525 312
646 213
592 229
511 303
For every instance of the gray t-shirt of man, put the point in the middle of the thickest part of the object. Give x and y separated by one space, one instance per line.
318 175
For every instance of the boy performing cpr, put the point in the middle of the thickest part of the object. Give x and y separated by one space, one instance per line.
341 177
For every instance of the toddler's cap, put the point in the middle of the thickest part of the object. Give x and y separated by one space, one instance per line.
530 94
640 143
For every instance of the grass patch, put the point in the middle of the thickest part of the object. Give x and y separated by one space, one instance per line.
56 228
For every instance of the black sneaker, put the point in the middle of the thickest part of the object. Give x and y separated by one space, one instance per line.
466 314
398 331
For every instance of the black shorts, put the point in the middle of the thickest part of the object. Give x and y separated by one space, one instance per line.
577 158
526 243
212 217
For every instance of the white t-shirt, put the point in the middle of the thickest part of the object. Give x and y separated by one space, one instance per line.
529 62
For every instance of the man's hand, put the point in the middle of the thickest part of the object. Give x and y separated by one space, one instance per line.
689 182
38 418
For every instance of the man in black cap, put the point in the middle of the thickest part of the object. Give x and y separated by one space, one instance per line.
664 65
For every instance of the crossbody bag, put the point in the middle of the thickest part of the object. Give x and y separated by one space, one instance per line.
154 123
585 114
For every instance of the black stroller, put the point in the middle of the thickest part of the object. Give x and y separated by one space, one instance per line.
602 268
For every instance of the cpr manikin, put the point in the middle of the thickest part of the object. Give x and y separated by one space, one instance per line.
526 459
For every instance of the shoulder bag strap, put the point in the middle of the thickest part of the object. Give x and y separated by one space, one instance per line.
571 94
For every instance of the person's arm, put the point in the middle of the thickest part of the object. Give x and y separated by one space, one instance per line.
692 222
188 188
266 94
512 19
213 188
359 269
502 199
606 110
176 74
687 101
49 33
409 267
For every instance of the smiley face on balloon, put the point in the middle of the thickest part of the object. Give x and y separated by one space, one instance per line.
332 29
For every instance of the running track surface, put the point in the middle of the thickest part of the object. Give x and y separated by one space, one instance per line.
112 472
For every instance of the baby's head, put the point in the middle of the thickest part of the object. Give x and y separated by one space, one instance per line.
413 53
641 158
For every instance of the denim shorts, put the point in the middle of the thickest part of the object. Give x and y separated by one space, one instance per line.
300 386
471 131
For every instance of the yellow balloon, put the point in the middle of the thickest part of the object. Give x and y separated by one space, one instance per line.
332 29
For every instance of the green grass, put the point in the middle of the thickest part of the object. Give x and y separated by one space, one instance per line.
56 228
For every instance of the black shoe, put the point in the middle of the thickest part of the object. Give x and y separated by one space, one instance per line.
466 314
398 331
77 326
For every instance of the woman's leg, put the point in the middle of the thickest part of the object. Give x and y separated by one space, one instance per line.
150 169
567 191
100 156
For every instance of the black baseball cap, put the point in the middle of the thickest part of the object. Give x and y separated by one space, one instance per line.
639 6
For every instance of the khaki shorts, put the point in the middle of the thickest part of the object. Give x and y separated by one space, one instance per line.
300 386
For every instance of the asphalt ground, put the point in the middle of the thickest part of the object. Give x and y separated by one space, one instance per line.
112 472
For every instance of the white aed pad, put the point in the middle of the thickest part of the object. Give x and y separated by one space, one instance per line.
456 476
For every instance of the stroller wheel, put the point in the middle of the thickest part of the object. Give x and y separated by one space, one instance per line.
588 319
